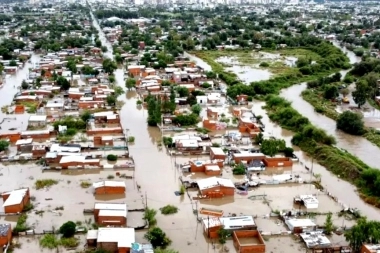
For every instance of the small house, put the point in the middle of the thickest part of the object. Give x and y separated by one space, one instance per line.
298 226
215 187
16 200
114 214
109 187
5 234
212 225
112 239
37 120
217 153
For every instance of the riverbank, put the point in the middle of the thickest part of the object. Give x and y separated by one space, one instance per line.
327 108
317 144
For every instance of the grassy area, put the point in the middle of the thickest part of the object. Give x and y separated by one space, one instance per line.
253 58
327 108
321 105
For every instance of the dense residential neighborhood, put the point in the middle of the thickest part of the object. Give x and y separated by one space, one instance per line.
189 127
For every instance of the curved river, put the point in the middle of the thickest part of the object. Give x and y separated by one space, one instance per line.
355 145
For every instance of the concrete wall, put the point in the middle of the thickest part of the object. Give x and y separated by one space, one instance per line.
247 158
109 190
116 221
76 164
104 131
248 248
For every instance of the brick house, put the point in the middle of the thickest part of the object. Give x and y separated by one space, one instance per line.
231 224
16 200
215 187
109 187
114 214
116 240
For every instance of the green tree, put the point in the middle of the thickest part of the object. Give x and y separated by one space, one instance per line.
154 110
67 229
363 232
182 91
196 109
118 91
24 85
111 78
13 63
109 66
63 83
272 146
130 83
331 91
157 238
85 116
360 94
111 99
222 236
239 169
329 226
4 145
350 122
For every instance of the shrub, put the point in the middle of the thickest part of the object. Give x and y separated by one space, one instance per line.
42 183
150 216
111 157
169 209
131 139
264 64
67 229
350 122
21 225
182 189
157 238
49 241
239 169
85 184
71 242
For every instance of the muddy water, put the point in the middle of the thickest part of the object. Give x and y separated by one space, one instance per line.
356 145
12 83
